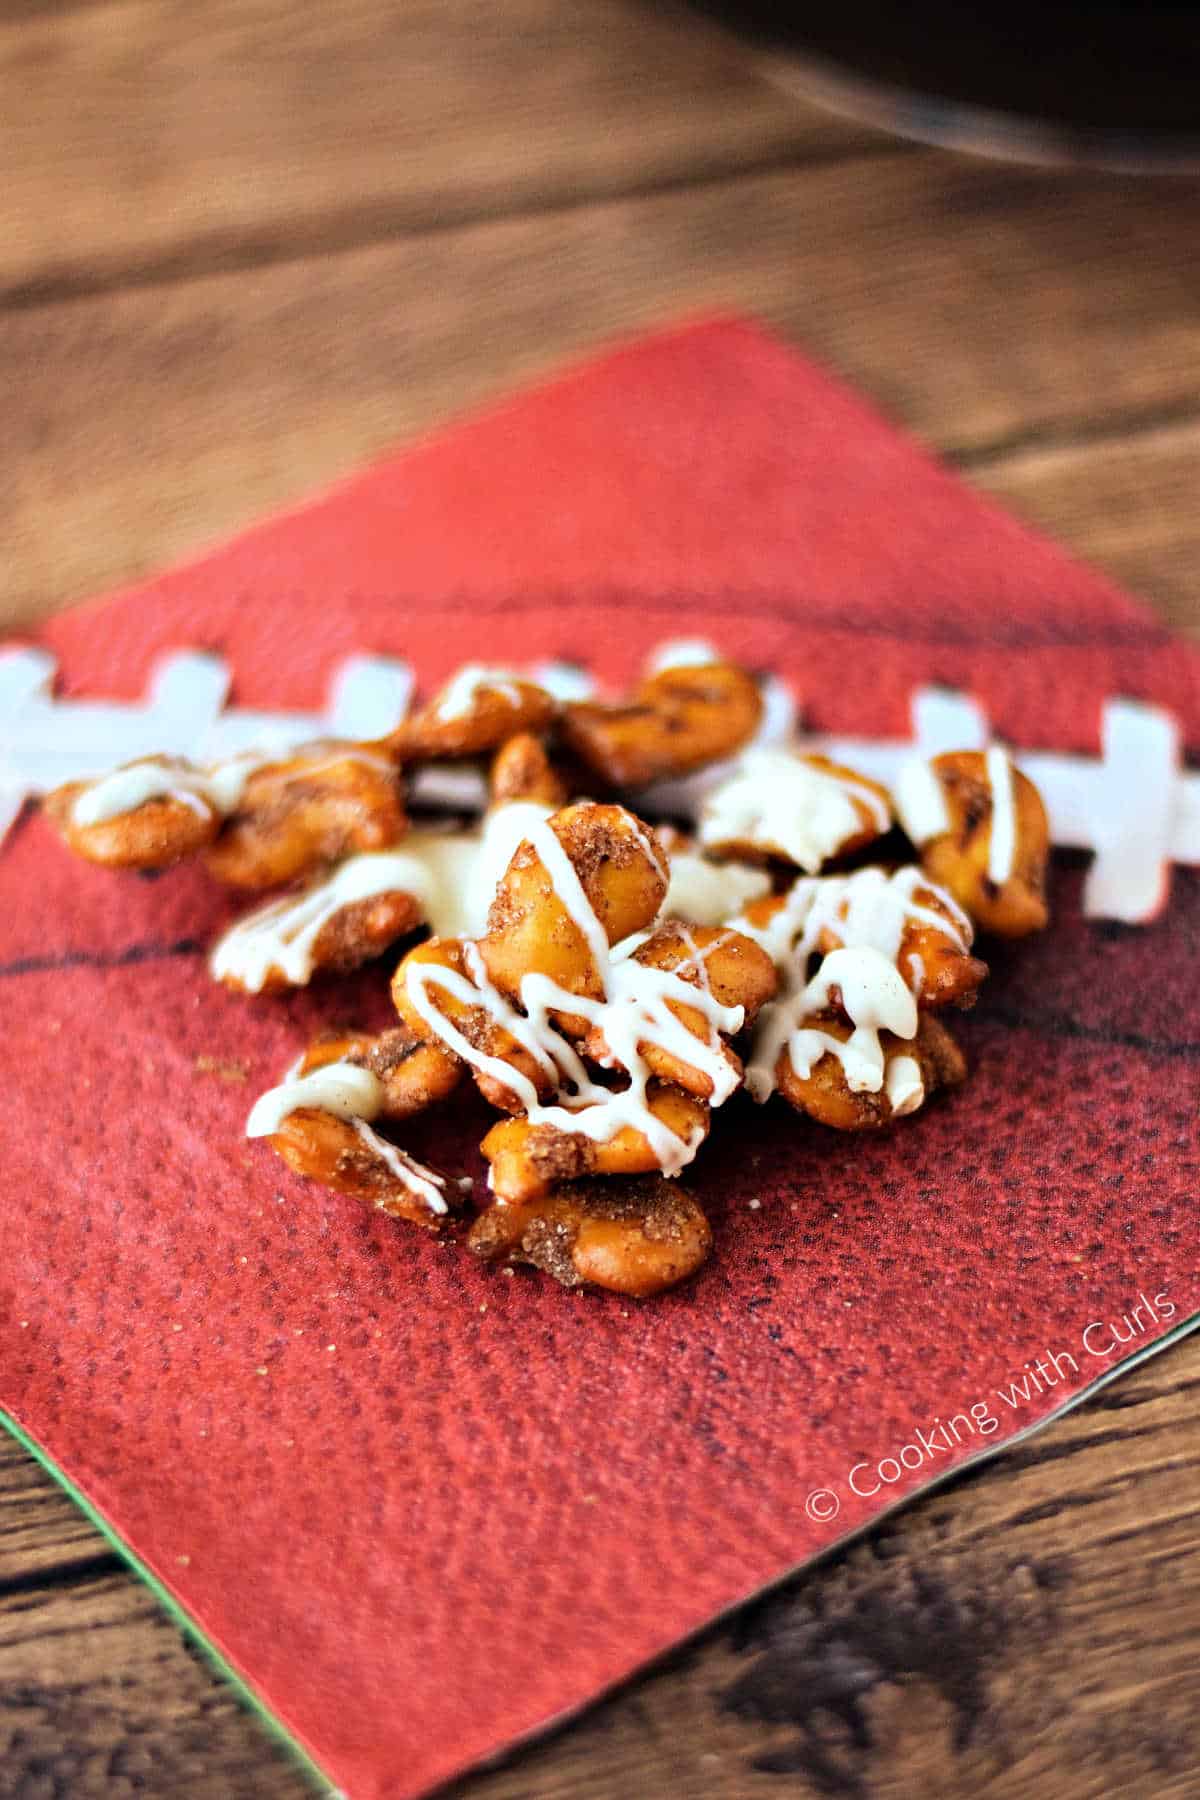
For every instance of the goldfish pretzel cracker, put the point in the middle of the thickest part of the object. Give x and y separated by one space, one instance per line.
815 1070
338 922
327 802
635 1238
478 710
863 959
733 969
463 1015
980 829
522 770
661 1129
915 924
578 883
677 720
320 1121
145 815
798 809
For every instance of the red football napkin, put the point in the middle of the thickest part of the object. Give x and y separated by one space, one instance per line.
423 1509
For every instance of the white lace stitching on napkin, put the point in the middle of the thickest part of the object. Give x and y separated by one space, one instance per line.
1134 806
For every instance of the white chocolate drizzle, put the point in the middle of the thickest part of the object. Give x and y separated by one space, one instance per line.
503 830
709 893
355 1095
282 936
415 1177
874 998
920 801
1002 839
216 790
568 887
563 681
683 653
457 699
868 911
904 1085
339 1088
781 803
635 1011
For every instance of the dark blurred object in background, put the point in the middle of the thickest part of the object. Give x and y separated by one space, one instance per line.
1116 82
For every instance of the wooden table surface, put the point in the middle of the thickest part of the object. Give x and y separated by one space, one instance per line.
245 245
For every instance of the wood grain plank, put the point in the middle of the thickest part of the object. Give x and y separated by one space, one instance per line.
101 1696
1128 502
979 305
1028 1629
40 1532
148 137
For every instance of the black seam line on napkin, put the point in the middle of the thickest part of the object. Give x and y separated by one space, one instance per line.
1063 1026
1150 636
88 959
342 231
63 1574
